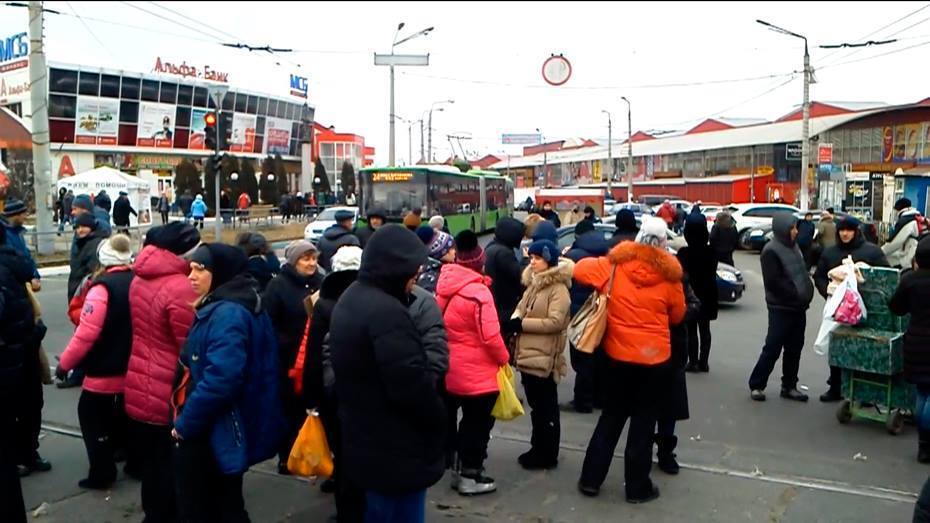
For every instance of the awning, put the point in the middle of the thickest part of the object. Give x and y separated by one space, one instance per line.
13 133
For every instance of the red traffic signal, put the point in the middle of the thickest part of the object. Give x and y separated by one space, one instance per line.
210 119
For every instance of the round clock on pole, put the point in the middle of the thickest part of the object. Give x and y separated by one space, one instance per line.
556 70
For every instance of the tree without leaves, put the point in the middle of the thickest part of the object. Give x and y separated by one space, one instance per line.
281 177
347 178
268 188
319 171
247 181
186 177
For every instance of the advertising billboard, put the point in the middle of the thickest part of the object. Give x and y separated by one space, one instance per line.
14 68
197 137
242 138
156 125
277 136
97 120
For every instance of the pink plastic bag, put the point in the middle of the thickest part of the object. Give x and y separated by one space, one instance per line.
850 309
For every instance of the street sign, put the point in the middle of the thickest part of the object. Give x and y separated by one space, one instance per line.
401 59
793 151
521 139
556 70
825 154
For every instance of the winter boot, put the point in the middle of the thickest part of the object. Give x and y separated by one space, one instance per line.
531 460
923 446
473 482
832 394
793 394
666 457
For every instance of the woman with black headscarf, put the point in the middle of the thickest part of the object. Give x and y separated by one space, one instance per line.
626 227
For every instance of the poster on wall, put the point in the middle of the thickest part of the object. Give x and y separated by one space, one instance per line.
912 148
97 120
243 133
156 125
925 155
277 136
887 144
197 136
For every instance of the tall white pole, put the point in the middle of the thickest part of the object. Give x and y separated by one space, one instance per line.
629 148
610 153
41 153
805 131
429 134
391 151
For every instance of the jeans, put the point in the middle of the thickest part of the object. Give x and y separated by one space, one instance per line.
204 494
702 326
543 397
786 330
922 410
471 436
404 508
155 442
583 364
99 416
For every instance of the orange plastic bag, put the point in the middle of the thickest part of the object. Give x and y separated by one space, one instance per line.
310 456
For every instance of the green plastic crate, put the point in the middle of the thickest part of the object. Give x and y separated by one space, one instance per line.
878 288
867 350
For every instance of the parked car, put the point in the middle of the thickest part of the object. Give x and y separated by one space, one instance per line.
677 204
749 216
654 199
638 209
759 236
326 219
730 282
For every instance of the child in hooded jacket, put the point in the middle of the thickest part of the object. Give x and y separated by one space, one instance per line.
476 353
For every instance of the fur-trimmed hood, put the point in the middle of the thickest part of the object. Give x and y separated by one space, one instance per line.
561 273
646 265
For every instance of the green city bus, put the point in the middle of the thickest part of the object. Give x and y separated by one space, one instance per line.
473 200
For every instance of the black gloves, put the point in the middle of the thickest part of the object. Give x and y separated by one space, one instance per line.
60 373
515 325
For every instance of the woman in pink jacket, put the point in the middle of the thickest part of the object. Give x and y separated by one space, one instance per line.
161 300
476 352
101 346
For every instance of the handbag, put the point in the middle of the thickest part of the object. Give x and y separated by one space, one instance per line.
586 330
310 456
507 406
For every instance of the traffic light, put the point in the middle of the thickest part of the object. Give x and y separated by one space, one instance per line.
209 131
216 163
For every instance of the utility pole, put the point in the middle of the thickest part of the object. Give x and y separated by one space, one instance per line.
429 128
805 131
422 152
610 149
41 153
218 92
629 148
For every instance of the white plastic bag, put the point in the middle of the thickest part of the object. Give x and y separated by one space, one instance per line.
828 325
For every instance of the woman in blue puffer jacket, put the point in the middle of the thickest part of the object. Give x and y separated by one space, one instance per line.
226 402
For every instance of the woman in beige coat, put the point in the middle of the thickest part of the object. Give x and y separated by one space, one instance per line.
541 320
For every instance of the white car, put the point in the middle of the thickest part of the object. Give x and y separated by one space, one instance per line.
749 216
684 204
326 219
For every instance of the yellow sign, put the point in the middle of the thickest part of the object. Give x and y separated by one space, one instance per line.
765 170
392 177
597 172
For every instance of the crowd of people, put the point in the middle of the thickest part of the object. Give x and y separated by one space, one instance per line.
199 360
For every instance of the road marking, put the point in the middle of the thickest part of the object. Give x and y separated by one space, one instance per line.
886 494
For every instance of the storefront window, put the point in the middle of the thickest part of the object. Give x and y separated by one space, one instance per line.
62 81
185 94
109 86
128 111
89 84
150 90
61 106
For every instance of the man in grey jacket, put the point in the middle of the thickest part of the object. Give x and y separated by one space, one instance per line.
788 294
428 319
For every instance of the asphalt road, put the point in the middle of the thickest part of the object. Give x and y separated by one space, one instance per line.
742 460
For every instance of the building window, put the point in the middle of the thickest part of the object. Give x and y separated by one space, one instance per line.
260 125
60 106
130 88
150 90
229 101
62 81
61 131
89 84
185 95
183 117
169 93
200 97
127 134
109 86
263 106
128 111
272 107
241 102
252 105
326 149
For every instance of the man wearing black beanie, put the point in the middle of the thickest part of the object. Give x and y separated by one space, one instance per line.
392 416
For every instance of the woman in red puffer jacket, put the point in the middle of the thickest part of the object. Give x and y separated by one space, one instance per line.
476 352
161 304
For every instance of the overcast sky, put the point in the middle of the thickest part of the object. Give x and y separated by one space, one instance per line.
488 57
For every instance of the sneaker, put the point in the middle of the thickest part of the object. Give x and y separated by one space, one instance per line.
644 499
530 461
588 491
667 463
831 395
793 394
474 483
757 395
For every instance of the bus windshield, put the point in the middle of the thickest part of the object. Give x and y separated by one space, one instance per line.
397 194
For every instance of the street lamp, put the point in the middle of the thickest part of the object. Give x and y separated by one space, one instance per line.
392 60
410 136
629 148
610 148
429 150
805 112
545 174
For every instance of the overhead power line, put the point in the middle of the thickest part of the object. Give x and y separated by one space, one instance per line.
866 58
873 33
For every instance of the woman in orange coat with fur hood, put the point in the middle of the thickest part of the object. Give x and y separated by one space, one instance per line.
646 298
